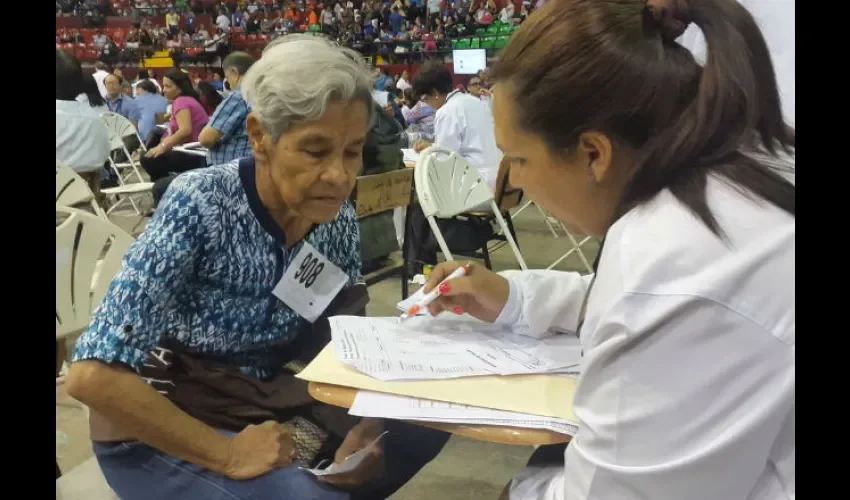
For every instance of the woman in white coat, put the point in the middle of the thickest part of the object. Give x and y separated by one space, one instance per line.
688 324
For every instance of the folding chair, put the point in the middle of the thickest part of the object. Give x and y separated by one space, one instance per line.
447 186
119 128
73 191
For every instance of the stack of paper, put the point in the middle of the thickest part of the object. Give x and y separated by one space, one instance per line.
424 348
378 405
409 156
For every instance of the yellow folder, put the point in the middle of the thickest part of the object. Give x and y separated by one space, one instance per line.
546 395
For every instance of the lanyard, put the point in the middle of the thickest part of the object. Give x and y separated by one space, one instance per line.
584 301
117 105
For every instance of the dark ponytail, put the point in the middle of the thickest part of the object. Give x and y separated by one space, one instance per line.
736 108
613 66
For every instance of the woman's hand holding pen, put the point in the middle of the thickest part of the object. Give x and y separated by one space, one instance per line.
480 293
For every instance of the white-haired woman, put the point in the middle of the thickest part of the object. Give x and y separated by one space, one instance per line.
187 365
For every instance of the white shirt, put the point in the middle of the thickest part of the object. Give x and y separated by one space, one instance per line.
99 76
464 124
82 141
688 377
777 21
223 22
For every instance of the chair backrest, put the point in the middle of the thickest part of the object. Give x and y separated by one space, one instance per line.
507 196
447 185
119 128
374 194
82 276
72 190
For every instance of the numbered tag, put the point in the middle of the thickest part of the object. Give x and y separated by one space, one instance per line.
310 283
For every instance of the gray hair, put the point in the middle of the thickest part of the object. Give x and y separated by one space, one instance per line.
298 76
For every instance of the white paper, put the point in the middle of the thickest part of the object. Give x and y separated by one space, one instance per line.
310 283
381 97
409 156
409 302
425 348
350 463
379 405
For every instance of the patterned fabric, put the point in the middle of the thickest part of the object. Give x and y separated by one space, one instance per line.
229 119
202 274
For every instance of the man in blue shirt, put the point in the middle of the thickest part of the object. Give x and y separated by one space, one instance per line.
225 134
150 105
119 103
396 20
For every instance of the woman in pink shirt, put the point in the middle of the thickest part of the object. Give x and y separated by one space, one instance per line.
187 119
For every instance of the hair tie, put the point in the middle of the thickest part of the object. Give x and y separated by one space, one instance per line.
671 17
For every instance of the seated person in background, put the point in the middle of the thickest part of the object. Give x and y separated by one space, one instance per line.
144 75
151 106
194 304
187 120
225 135
688 325
419 117
121 104
82 141
463 123
210 98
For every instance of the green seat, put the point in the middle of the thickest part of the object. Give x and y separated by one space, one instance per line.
463 44
476 43
501 41
505 29
461 27
488 43
314 28
481 31
516 27
493 30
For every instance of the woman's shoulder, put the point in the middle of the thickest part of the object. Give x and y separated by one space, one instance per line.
207 187
663 248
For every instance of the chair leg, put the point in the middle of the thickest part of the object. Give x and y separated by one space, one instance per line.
510 221
486 254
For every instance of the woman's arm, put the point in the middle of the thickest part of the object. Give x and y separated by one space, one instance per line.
541 301
183 132
123 397
680 398
128 325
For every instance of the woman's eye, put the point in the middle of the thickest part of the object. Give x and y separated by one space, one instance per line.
316 154
354 154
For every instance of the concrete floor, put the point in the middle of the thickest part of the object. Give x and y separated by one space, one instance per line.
465 470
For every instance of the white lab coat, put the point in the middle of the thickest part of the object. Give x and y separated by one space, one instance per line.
777 21
464 124
688 375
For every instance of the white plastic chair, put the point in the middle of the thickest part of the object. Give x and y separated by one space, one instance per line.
82 276
119 128
72 190
447 186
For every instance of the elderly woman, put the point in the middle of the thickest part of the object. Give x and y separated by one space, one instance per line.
187 364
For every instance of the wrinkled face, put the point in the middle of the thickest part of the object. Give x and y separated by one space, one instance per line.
313 166
569 185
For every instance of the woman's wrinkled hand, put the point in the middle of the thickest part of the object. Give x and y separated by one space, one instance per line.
259 449
480 293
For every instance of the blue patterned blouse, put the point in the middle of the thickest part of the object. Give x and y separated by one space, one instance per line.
202 275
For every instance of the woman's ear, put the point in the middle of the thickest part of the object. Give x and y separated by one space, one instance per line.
595 152
257 138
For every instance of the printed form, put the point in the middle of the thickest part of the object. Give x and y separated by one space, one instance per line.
425 348
379 405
